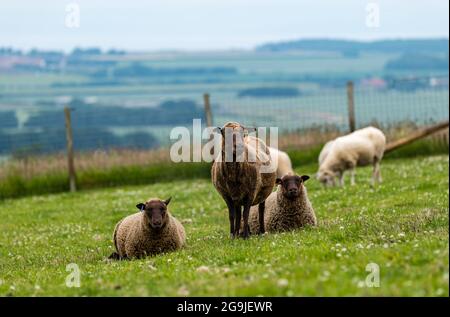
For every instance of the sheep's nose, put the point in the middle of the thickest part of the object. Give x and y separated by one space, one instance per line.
293 191
157 223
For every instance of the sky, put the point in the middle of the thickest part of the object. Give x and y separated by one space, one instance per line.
193 25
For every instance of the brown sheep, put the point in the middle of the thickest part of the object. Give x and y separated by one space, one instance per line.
243 182
148 232
287 208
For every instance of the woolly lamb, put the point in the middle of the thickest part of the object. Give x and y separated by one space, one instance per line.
284 165
288 208
360 148
243 182
148 232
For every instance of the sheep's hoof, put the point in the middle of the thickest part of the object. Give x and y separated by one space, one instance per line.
114 256
245 235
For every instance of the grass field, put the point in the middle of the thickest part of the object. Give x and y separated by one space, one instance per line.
401 225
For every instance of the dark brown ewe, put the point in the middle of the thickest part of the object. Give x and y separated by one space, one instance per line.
243 175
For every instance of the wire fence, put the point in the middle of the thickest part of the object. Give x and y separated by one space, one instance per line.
317 115
304 118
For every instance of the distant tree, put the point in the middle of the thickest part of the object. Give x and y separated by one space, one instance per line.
116 52
386 46
261 92
86 115
88 51
8 119
8 51
418 61
137 70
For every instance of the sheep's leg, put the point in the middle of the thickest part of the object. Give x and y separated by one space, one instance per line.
379 178
231 215
246 232
261 209
237 225
352 176
376 177
341 179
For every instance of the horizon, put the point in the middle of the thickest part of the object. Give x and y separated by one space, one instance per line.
202 26
251 49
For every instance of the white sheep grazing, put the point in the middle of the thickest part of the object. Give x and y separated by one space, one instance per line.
284 165
325 150
360 148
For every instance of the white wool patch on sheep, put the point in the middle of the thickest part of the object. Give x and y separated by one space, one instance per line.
282 161
325 150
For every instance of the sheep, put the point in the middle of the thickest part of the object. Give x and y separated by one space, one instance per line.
284 165
150 231
287 208
360 148
325 150
243 182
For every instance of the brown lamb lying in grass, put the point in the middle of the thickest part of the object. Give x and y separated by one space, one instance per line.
150 231
287 208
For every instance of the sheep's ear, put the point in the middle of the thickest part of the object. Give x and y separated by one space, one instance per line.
167 201
140 206
304 178
278 181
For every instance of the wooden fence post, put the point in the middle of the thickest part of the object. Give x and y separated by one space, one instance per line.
351 106
208 114
70 159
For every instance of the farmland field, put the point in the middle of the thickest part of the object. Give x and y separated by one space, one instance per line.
32 101
400 226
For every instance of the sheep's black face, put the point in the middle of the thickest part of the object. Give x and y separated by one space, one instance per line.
291 185
155 212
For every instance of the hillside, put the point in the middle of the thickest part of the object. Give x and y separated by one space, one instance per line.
347 47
